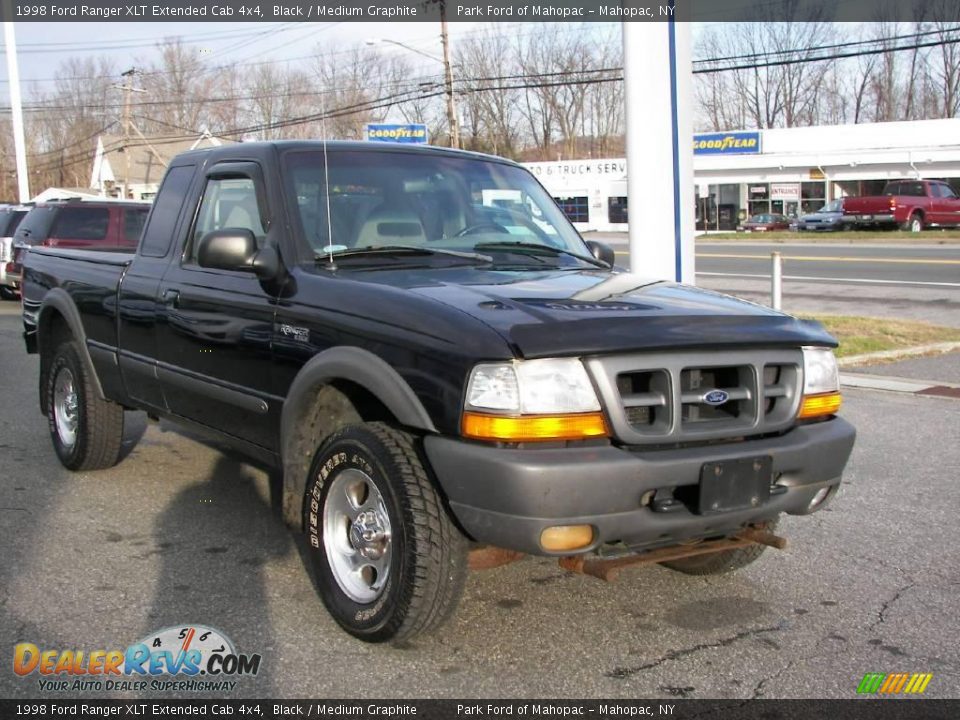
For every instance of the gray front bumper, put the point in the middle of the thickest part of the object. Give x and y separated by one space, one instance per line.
508 496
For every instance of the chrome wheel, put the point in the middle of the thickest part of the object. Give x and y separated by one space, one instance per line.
66 407
916 224
357 535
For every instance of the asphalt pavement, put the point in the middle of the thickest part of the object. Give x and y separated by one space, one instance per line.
935 266
180 532
936 368
911 282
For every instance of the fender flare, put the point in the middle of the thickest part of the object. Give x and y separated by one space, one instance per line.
356 365
57 299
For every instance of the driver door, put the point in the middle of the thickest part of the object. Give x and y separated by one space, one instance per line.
215 343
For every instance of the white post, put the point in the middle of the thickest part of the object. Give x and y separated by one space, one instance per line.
776 280
658 79
13 79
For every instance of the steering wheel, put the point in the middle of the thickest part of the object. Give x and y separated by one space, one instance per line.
480 226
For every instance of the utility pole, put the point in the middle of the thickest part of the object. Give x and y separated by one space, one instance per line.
658 73
127 123
448 78
19 142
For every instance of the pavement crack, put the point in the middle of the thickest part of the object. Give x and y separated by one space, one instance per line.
758 689
887 604
622 673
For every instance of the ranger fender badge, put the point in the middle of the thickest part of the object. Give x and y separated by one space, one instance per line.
716 397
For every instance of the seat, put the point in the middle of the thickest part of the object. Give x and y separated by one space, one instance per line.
245 214
391 224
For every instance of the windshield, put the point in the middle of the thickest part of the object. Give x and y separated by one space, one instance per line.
434 202
832 207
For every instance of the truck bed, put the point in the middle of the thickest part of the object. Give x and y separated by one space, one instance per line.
89 277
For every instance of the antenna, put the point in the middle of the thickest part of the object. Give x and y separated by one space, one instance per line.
326 178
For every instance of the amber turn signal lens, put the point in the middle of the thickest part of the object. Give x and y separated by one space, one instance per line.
563 538
819 405
533 428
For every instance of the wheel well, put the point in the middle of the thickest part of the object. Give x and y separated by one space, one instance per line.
917 211
52 330
330 406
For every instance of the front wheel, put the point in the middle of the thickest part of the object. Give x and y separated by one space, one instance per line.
86 430
389 562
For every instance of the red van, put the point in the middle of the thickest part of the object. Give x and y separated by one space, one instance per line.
93 224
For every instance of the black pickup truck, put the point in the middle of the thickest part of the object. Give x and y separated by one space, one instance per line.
442 369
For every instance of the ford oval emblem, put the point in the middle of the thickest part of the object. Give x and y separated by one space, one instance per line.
716 397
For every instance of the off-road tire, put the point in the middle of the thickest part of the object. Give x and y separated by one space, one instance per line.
99 422
721 562
428 562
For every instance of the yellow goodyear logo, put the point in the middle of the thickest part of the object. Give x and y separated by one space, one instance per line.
894 683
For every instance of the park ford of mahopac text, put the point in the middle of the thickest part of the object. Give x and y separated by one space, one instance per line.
441 371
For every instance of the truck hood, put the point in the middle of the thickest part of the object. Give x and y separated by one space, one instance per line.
564 312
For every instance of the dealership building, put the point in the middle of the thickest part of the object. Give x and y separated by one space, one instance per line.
788 171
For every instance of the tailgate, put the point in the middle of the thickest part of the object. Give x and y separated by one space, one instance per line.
860 205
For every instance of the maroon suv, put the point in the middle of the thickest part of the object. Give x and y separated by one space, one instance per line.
96 225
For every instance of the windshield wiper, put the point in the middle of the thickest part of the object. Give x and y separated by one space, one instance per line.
509 245
402 250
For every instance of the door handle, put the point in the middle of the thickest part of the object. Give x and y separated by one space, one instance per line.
171 297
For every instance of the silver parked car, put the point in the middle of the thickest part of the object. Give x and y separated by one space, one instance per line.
10 217
829 217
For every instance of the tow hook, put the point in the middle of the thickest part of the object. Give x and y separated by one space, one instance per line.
610 568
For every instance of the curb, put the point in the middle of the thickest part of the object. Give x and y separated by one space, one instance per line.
900 385
938 348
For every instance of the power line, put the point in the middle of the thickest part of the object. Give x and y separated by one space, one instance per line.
835 46
825 58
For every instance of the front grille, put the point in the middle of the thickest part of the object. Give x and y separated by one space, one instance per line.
672 397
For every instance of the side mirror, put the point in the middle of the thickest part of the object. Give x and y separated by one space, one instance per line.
227 249
602 251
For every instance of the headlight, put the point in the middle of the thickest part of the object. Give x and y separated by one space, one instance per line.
528 400
820 372
821 383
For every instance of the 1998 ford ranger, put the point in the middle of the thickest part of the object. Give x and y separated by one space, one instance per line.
442 368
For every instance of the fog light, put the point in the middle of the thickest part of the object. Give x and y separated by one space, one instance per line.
822 494
566 537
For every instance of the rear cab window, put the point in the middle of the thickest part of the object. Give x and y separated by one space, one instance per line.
158 235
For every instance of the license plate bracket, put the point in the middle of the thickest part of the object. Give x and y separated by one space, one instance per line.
735 484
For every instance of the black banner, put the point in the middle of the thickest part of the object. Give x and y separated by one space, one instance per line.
859 709
471 11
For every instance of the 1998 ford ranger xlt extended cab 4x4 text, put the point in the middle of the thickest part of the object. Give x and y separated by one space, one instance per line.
443 370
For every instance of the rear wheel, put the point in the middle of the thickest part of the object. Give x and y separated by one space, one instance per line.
86 430
390 563
8 293
914 224
721 562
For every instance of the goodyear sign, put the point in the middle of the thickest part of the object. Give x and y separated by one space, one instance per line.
412 133
733 143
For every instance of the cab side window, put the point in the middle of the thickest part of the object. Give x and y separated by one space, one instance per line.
943 191
228 203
